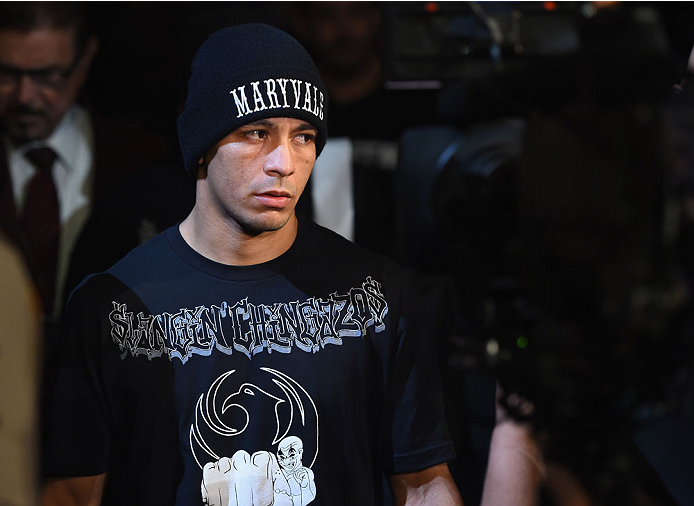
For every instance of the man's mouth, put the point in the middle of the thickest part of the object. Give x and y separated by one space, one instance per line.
21 112
276 199
25 117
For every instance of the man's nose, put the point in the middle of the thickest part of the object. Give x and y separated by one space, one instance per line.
26 91
280 161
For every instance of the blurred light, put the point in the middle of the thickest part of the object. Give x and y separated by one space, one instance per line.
431 7
605 5
589 10
550 6
493 347
522 342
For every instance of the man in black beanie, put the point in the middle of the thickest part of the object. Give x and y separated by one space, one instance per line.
244 357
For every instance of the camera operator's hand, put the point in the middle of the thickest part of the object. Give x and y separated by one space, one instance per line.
245 480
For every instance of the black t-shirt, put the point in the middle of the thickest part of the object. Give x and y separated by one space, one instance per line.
187 380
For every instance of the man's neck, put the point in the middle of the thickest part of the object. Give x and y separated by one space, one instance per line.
227 244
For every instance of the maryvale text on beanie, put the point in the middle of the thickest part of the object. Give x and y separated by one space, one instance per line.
311 98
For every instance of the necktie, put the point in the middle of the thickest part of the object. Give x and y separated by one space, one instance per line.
40 223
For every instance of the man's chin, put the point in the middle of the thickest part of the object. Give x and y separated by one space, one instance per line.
22 132
267 224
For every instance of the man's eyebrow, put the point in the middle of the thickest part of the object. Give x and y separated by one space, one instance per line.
266 123
305 126
49 68
261 123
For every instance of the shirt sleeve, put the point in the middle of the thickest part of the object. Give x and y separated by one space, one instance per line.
76 428
419 435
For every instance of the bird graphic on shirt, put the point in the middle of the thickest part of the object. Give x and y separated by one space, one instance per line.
246 400
247 408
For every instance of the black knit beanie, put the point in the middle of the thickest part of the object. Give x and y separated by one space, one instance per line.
245 73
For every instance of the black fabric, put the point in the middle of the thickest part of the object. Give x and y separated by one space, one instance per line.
243 74
316 344
103 417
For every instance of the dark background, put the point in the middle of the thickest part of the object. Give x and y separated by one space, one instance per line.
544 207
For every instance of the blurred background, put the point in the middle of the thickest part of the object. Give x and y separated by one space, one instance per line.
530 163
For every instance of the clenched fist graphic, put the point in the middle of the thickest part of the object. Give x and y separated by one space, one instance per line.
245 480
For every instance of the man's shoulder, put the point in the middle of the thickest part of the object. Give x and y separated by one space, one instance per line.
334 259
139 265
324 241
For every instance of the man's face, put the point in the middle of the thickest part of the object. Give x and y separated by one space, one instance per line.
289 453
40 77
344 35
256 174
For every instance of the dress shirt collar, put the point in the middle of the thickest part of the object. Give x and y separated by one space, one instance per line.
70 139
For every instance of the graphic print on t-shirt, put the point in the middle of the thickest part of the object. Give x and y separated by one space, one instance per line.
252 431
243 326
279 470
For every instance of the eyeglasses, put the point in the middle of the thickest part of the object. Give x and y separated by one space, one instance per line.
53 77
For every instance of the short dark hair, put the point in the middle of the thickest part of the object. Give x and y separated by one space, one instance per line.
27 16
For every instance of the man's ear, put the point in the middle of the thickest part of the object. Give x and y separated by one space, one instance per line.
207 157
90 50
202 168
91 47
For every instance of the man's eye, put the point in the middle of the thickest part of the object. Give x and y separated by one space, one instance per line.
257 134
306 138
47 77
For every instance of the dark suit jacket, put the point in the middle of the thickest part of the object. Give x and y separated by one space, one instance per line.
119 149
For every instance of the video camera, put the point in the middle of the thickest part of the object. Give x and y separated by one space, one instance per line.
553 197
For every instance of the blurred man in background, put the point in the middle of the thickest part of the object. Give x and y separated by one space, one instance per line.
345 39
56 154
47 148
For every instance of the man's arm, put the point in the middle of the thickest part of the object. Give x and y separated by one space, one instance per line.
78 491
515 469
433 486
